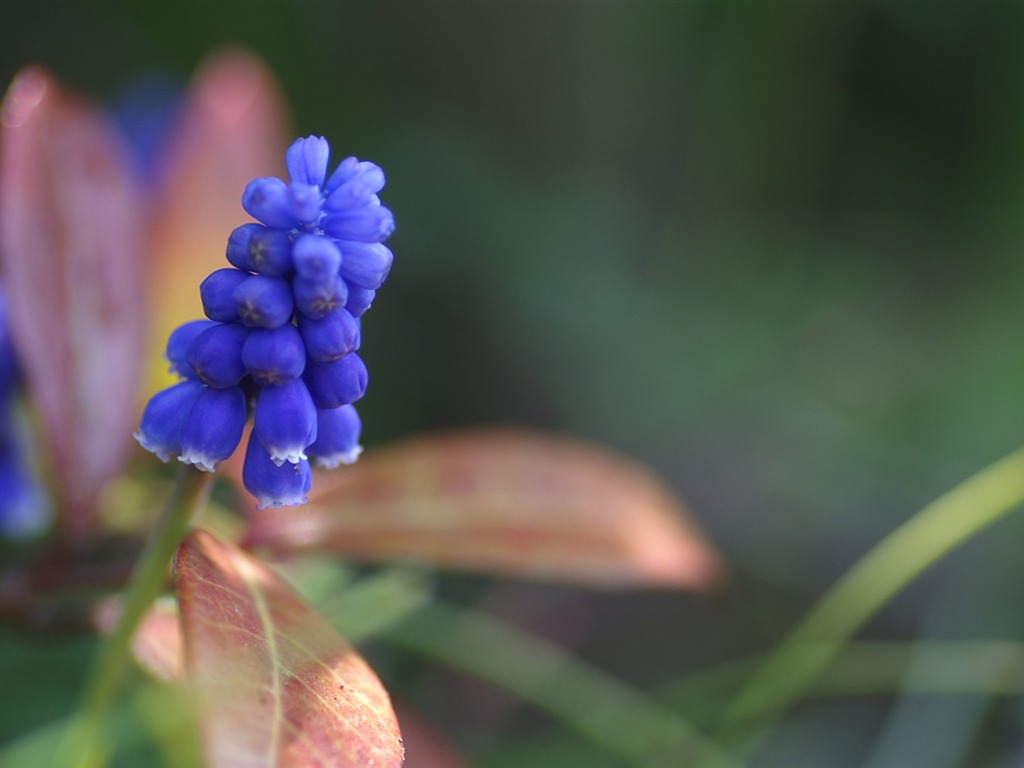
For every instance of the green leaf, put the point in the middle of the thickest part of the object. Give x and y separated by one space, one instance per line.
622 720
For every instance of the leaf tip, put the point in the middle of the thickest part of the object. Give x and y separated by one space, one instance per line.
26 92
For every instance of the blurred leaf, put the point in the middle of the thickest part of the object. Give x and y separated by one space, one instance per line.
901 557
377 602
168 716
38 746
512 502
71 242
277 685
157 644
612 714
233 127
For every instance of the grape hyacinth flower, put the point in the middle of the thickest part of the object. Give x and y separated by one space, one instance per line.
282 331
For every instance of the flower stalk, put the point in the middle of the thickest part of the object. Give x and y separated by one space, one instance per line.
83 746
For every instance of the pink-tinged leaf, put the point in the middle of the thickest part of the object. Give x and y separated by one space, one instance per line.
514 503
157 645
276 684
71 244
233 127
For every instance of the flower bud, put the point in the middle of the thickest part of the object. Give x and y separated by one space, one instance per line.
217 294
330 337
338 383
255 248
365 224
267 200
178 343
351 194
306 160
304 201
359 300
316 258
365 264
274 355
264 302
216 354
347 169
315 298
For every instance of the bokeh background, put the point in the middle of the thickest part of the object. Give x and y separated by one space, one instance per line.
775 250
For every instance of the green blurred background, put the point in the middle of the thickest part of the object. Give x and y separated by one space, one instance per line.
772 249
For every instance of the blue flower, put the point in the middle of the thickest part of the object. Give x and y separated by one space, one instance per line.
163 421
285 421
213 427
275 485
337 437
25 507
282 329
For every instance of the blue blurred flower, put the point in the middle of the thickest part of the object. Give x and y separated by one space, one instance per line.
283 327
25 508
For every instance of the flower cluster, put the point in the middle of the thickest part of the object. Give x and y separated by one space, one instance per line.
282 329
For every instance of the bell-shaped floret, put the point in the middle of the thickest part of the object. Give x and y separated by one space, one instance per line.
316 258
315 298
216 354
338 383
330 337
365 224
275 485
274 355
218 294
164 418
213 427
256 248
365 264
337 437
178 343
307 160
264 302
285 421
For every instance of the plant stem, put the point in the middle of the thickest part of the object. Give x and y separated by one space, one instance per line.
82 746
868 586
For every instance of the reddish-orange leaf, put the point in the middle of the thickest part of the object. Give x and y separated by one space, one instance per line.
71 241
276 684
516 503
233 127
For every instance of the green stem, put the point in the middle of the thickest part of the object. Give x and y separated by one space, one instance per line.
613 715
897 560
82 746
